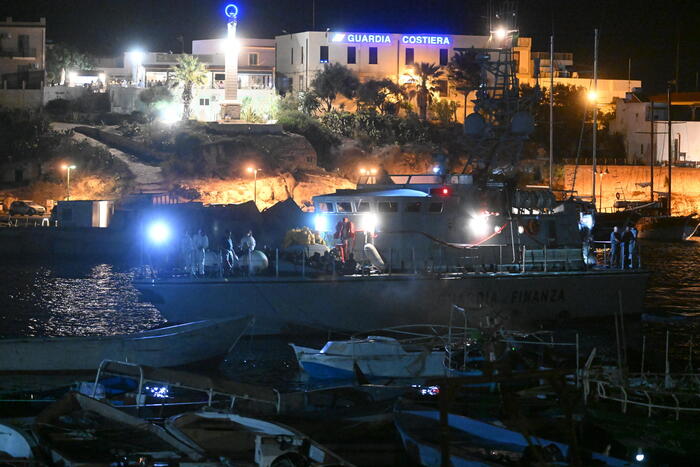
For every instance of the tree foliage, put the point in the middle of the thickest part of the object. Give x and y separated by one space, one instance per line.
464 72
189 73
334 79
382 95
60 58
423 85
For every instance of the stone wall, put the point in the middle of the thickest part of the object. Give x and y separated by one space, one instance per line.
624 179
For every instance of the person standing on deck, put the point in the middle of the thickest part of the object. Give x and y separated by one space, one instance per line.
247 244
627 239
231 257
615 239
345 233
634 248
186 251
201 243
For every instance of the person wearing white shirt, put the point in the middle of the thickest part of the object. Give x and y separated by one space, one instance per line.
201 243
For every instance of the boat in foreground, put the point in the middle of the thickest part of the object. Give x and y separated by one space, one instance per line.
169 346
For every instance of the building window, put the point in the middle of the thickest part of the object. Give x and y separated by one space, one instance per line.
363 206
442 87
301 83
373 56
352 55
253 59
219 76
204 101
324 54
413 206
443 57
301 59
292 55
344 206
409 55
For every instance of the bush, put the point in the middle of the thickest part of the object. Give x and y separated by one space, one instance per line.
320 137
58 107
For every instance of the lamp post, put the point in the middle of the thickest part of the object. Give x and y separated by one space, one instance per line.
600 200
68 168
254 171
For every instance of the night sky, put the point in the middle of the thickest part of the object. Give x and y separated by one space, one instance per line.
645 31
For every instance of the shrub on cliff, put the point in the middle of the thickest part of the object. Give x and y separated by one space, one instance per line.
320 137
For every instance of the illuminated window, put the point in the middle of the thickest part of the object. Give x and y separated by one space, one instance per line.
373 56
325 207
443 57
324 54
413 207
363 206
203 101
387 206
253 59
435 207
409 55
352 55
344 206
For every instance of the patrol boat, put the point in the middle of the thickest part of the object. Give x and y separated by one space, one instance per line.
509 256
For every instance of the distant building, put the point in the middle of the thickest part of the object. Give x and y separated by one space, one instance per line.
22 62
633 121
302 55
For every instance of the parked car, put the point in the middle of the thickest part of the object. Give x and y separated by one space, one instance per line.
26 208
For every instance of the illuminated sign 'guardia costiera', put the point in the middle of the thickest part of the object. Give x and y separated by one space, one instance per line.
376 38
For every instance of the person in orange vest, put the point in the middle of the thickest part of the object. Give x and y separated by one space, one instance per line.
345 232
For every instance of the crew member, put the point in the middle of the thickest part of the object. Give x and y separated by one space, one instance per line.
615 239
627 240
231 257
345 233
201 243
634 248
248 242
186 250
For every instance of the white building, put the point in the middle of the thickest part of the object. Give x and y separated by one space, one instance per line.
22 62
632 121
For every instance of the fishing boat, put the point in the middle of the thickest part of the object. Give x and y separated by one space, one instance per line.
169 346
78 430
242 440
477 443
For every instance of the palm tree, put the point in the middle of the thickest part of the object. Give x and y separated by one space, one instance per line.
464 72
189 72
424 77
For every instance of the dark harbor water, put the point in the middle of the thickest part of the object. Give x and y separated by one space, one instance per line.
68 298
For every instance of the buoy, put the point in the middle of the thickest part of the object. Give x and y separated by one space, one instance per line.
258 260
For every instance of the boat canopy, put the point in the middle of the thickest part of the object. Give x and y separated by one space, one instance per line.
396 193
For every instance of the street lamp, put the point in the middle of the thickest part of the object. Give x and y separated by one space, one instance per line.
68 168
254 171
600 202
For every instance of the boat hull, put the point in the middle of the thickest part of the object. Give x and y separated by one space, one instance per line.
166 347
355 304
667 229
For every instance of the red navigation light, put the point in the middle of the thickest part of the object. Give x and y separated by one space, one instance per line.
442 191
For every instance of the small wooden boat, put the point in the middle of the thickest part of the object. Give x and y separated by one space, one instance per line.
477 443
667 228
164 347
248 441
79 430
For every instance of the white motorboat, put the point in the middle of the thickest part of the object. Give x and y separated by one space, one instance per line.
163 347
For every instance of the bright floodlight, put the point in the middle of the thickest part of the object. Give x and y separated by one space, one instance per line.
363 171
369 222
436 169
169 113
373 171
320 223
250 170
640 455
479 225
136 56
67 167
158 232
500 33
592 96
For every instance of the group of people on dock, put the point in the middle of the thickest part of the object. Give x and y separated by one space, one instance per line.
624 248
193 250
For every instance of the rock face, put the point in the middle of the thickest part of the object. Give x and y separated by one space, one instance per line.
270 190
283 152
395 159
623 180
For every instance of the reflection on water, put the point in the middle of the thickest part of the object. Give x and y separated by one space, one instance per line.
67 298
675 282
70 299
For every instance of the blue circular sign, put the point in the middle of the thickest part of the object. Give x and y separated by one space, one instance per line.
231 10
